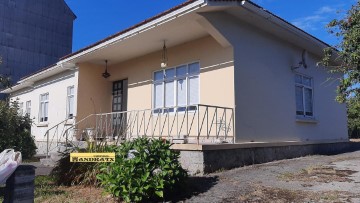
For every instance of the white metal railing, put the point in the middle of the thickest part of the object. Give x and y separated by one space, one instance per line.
55 135
193 124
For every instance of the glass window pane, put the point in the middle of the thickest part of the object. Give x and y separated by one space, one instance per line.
298 79
169 94
194 90
181 71
194 68
307 81
308 102
46 107
71 105
299 101
170 73
158 92
181 92
159 75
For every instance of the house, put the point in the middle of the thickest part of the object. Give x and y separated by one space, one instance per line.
33 34
228 78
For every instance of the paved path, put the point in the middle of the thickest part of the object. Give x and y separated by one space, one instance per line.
307 179
40 170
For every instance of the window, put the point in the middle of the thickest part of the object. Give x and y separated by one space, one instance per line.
304 96
44 107
70 102
176 88
28 108
21 108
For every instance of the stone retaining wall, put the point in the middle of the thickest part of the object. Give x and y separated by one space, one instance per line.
199 162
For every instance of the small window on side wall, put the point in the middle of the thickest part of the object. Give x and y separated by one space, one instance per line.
304 96
70 102
44 108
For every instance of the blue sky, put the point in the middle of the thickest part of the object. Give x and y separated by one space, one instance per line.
99 19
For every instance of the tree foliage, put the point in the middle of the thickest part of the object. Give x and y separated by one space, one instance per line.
4 81
348 54
15 130
353 117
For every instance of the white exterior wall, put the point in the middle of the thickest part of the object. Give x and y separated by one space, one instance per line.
265 88
56 86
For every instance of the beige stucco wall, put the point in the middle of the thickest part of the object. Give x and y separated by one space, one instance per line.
216 77
265 88
94 92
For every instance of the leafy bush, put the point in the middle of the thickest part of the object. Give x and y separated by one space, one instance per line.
15 130
144 169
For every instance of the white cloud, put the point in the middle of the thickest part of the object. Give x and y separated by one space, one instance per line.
325 10
317 20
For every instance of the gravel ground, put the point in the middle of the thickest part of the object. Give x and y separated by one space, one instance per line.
307 179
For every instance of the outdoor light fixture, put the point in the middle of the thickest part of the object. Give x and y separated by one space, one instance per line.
106 74
302 63
164 57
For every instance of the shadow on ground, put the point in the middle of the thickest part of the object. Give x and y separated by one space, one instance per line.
194 187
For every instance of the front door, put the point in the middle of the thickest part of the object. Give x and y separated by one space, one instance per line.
119 104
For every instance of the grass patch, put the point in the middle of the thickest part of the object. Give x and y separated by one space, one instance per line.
30 160
259 193
323 174
47 191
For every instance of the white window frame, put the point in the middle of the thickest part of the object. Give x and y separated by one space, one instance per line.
21 108
175 79
68 96
43 118
28 108
303 87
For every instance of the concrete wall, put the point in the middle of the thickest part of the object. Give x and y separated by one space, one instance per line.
265 88
216 77
208 161
33 34
56 86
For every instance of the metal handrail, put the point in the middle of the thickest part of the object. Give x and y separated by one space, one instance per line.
200 122
47 134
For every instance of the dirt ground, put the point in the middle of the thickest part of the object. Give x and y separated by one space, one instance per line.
307 179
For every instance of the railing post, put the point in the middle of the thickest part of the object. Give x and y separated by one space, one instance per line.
47 144
233 125
198 122
216 123
207 122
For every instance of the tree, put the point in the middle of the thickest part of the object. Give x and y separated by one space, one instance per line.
15 130
4 81
353 117
347 54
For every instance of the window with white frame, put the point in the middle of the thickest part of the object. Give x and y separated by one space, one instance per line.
44 107
21 108
304 96
176 89
70 102
28 108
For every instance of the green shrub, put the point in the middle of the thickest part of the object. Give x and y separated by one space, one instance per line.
15 130
144 169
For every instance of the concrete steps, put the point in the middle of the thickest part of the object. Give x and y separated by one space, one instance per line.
55 156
